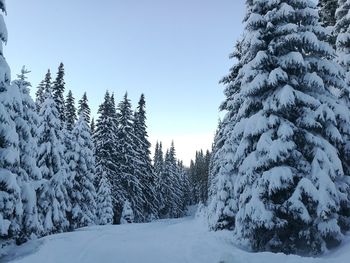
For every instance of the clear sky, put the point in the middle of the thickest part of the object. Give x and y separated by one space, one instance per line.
174 52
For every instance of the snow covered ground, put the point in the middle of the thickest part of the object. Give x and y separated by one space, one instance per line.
185 240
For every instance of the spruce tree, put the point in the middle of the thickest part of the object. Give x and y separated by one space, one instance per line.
104 199
27 122
127 160
83 190
84 108
53 198
105 140
283 141
71 111
43 87
144 170
342 29
10 194
58 87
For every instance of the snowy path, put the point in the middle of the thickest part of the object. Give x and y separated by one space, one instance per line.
167 241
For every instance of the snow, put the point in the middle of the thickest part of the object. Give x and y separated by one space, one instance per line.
171 241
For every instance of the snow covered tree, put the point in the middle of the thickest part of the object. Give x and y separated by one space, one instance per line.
104 200
127 214
43 87
158 159
58 87
10 194
199 173
105 140
27 122
169 187
144 170
127 161
83 192
53 199
84 108
281 169
71 111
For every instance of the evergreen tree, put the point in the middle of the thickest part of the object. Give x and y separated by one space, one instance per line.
84 108
127 214
43 87
10 195
83 192
71 112
58 88
169 186
144 170
342 30
53 199
104 200
127 160
158 160
282 143
27 122
105 139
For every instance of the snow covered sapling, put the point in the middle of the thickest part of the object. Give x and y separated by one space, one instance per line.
127 214
104 199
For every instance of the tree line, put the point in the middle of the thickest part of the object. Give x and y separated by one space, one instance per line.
60 169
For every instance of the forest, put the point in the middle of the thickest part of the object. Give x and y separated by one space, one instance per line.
277 176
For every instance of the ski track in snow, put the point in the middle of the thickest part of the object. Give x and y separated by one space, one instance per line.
185 240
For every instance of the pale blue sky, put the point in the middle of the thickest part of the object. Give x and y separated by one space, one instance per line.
174 52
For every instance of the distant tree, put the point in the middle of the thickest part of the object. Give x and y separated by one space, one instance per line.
106 147
58 87
84 108
43 87
128 160
71 111
144 170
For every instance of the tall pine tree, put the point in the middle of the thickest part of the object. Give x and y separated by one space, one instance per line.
71 111
53 198
84 108
43 87
10 195
144 170
58 87
83 189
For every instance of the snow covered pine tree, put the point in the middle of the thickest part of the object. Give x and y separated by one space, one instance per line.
53 200
288 181
10 195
